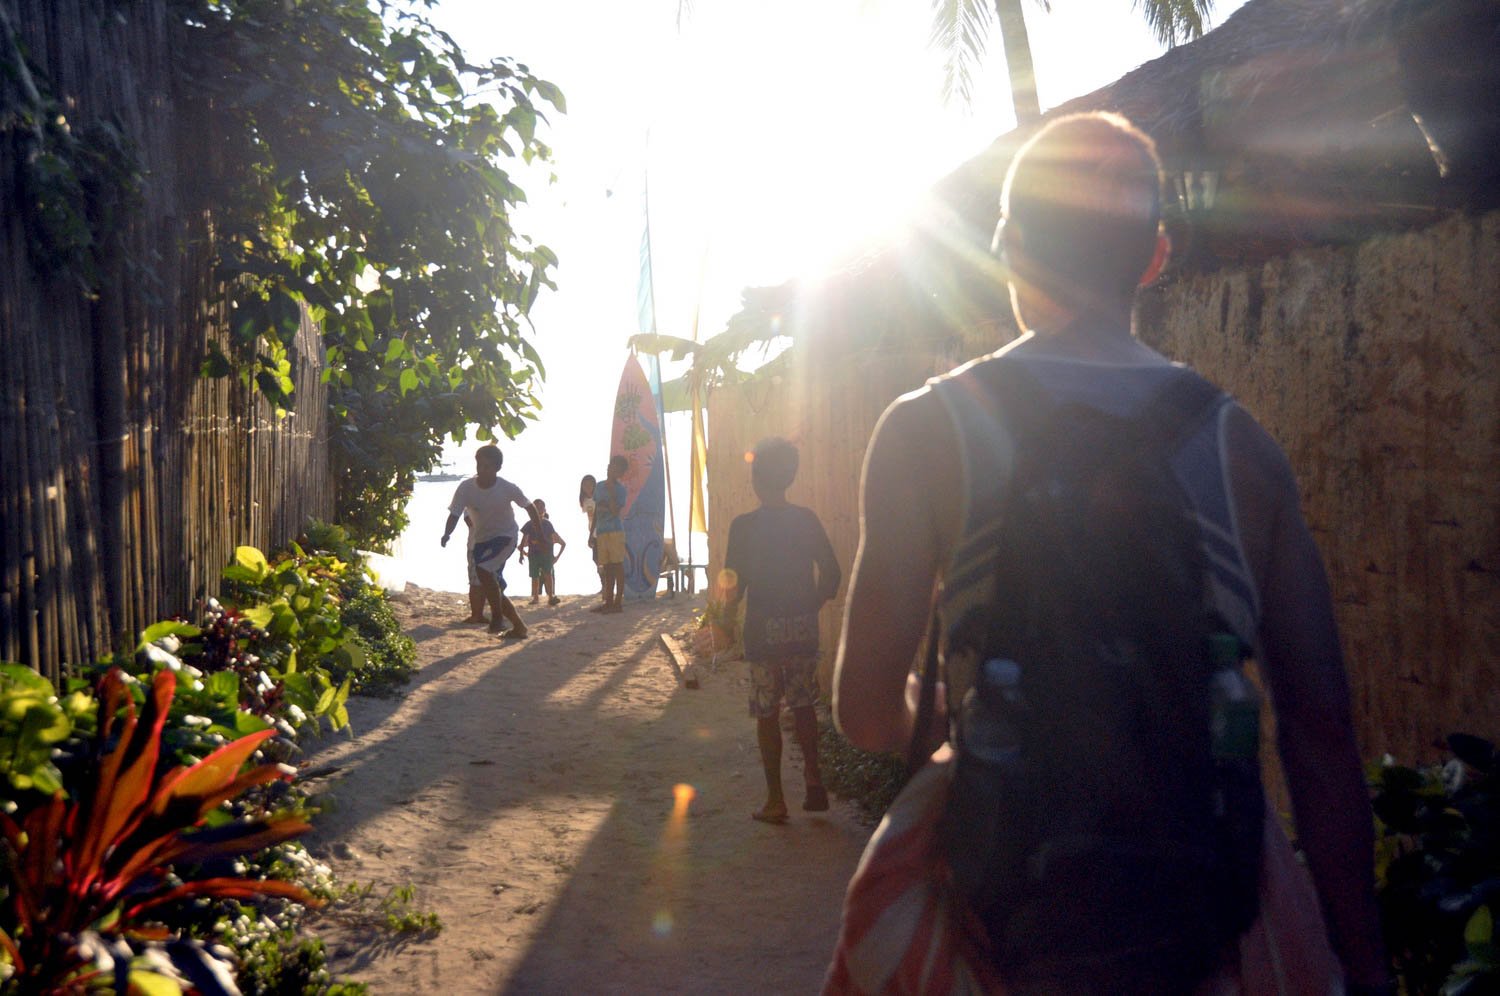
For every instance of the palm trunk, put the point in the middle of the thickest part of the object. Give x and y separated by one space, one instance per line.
1018 60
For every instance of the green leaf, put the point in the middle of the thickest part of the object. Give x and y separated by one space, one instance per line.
246 723
408 381
45 724
251 559
395 350
148 983
167 627
22 678
1480 930
223 686
261 615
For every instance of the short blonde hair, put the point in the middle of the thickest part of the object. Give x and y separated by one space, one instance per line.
1082 199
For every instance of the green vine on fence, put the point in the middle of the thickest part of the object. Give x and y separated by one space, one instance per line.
75 184
356 167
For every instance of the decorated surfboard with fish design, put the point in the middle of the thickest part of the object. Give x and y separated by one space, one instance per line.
636 433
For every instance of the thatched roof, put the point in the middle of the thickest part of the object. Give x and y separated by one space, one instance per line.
1303 112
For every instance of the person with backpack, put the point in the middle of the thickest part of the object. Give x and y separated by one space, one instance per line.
1103 538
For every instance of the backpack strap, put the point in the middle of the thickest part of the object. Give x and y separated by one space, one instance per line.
1178 408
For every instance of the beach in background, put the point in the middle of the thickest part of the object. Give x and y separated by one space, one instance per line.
531 462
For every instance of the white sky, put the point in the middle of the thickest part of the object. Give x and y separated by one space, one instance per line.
780 132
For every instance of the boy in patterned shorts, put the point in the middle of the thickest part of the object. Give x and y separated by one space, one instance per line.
785 569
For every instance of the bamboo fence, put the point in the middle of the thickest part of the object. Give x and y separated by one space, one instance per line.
125 479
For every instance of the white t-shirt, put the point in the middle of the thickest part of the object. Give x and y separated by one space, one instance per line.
491 510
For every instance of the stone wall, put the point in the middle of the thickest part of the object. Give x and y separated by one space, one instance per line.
1377 367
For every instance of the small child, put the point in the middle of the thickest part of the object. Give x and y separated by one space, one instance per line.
587 504
785 569
538 538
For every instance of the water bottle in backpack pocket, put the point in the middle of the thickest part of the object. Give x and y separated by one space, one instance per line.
983 834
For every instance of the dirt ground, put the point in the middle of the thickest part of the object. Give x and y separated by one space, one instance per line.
527 790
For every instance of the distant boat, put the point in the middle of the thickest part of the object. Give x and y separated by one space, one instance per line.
439 478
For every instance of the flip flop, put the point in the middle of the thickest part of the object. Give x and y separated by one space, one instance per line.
816 799
774 817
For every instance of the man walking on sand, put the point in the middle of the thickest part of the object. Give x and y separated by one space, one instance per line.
946 470
486 500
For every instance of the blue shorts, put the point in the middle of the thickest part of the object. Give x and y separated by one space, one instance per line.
488 556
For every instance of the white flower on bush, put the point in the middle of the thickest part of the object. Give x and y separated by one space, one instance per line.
157 655
296 715
284 728
263 681
197 721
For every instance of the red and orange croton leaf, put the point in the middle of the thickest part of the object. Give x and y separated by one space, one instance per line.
123 845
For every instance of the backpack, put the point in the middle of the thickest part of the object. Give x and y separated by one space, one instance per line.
1096 826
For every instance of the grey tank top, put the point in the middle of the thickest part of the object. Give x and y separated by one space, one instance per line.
986 451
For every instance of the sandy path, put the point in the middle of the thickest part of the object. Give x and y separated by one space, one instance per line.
526 791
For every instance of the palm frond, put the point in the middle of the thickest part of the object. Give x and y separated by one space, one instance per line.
1174 21
960 30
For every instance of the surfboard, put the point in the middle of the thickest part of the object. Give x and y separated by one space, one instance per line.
636 433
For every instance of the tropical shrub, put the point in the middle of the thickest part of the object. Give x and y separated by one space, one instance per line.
33 723
93 871
1438 868
869 779
331 538
387 656
295 605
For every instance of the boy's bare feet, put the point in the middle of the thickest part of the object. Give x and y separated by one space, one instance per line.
816 799
496 628
553 600
472 621
515 633
771 812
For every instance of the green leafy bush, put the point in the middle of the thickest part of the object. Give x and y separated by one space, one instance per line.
388 656
870 779
1438 868
33 722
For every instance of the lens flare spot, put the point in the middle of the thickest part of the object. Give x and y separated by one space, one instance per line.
661 924
682 797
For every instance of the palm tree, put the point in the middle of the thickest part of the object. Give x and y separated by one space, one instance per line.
960 30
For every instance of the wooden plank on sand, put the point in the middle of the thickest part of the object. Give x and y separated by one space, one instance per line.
687 671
